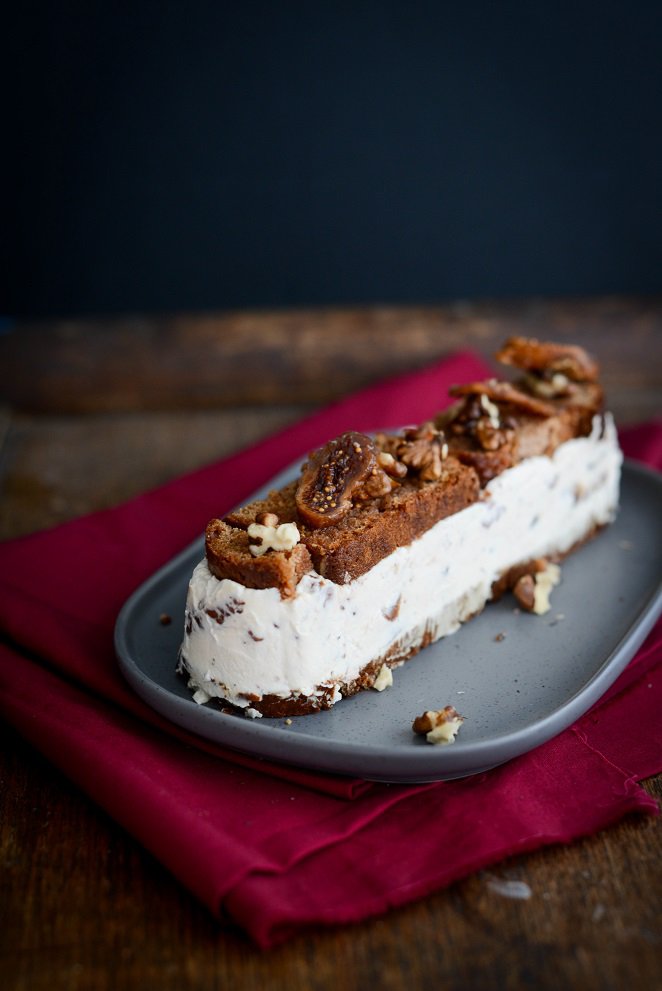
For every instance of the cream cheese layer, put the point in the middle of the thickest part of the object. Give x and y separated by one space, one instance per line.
241 644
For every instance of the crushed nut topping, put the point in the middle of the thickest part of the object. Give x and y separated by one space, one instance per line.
388 444
488 434
491 410
479 418
392 467
487 413
506 393
282 537
423 449
546 386
439 726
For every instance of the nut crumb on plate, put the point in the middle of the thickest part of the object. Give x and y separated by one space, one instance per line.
384 679
533 591
439 726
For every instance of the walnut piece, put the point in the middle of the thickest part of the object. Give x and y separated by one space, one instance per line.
423 449
551 386
439 726
480 420
283 537
489 436
524 592
267 519
384 679
545 581
504 392
533 591
388 443
392 467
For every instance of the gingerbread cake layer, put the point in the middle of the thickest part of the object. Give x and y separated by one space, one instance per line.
368 532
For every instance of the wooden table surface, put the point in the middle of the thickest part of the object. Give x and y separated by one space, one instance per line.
95 411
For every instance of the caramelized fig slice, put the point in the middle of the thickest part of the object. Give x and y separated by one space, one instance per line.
332 475
548 357
504 392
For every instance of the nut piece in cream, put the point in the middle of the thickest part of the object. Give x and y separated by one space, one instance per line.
273 536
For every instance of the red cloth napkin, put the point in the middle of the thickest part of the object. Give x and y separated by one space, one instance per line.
271 847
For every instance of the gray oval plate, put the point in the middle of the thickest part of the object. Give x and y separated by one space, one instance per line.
515 692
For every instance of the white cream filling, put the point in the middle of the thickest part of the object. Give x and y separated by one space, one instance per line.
259 644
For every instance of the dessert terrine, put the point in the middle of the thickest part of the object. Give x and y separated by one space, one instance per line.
385 544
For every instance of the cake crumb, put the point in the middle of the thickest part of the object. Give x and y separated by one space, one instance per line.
252 713
439 726
288 722
499 637
384 679
165 619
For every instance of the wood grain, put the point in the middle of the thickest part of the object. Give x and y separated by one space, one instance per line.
82 905
59 467
307 357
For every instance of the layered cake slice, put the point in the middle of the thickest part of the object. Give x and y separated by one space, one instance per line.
387 543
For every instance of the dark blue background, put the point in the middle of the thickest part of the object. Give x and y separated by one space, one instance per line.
194 155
